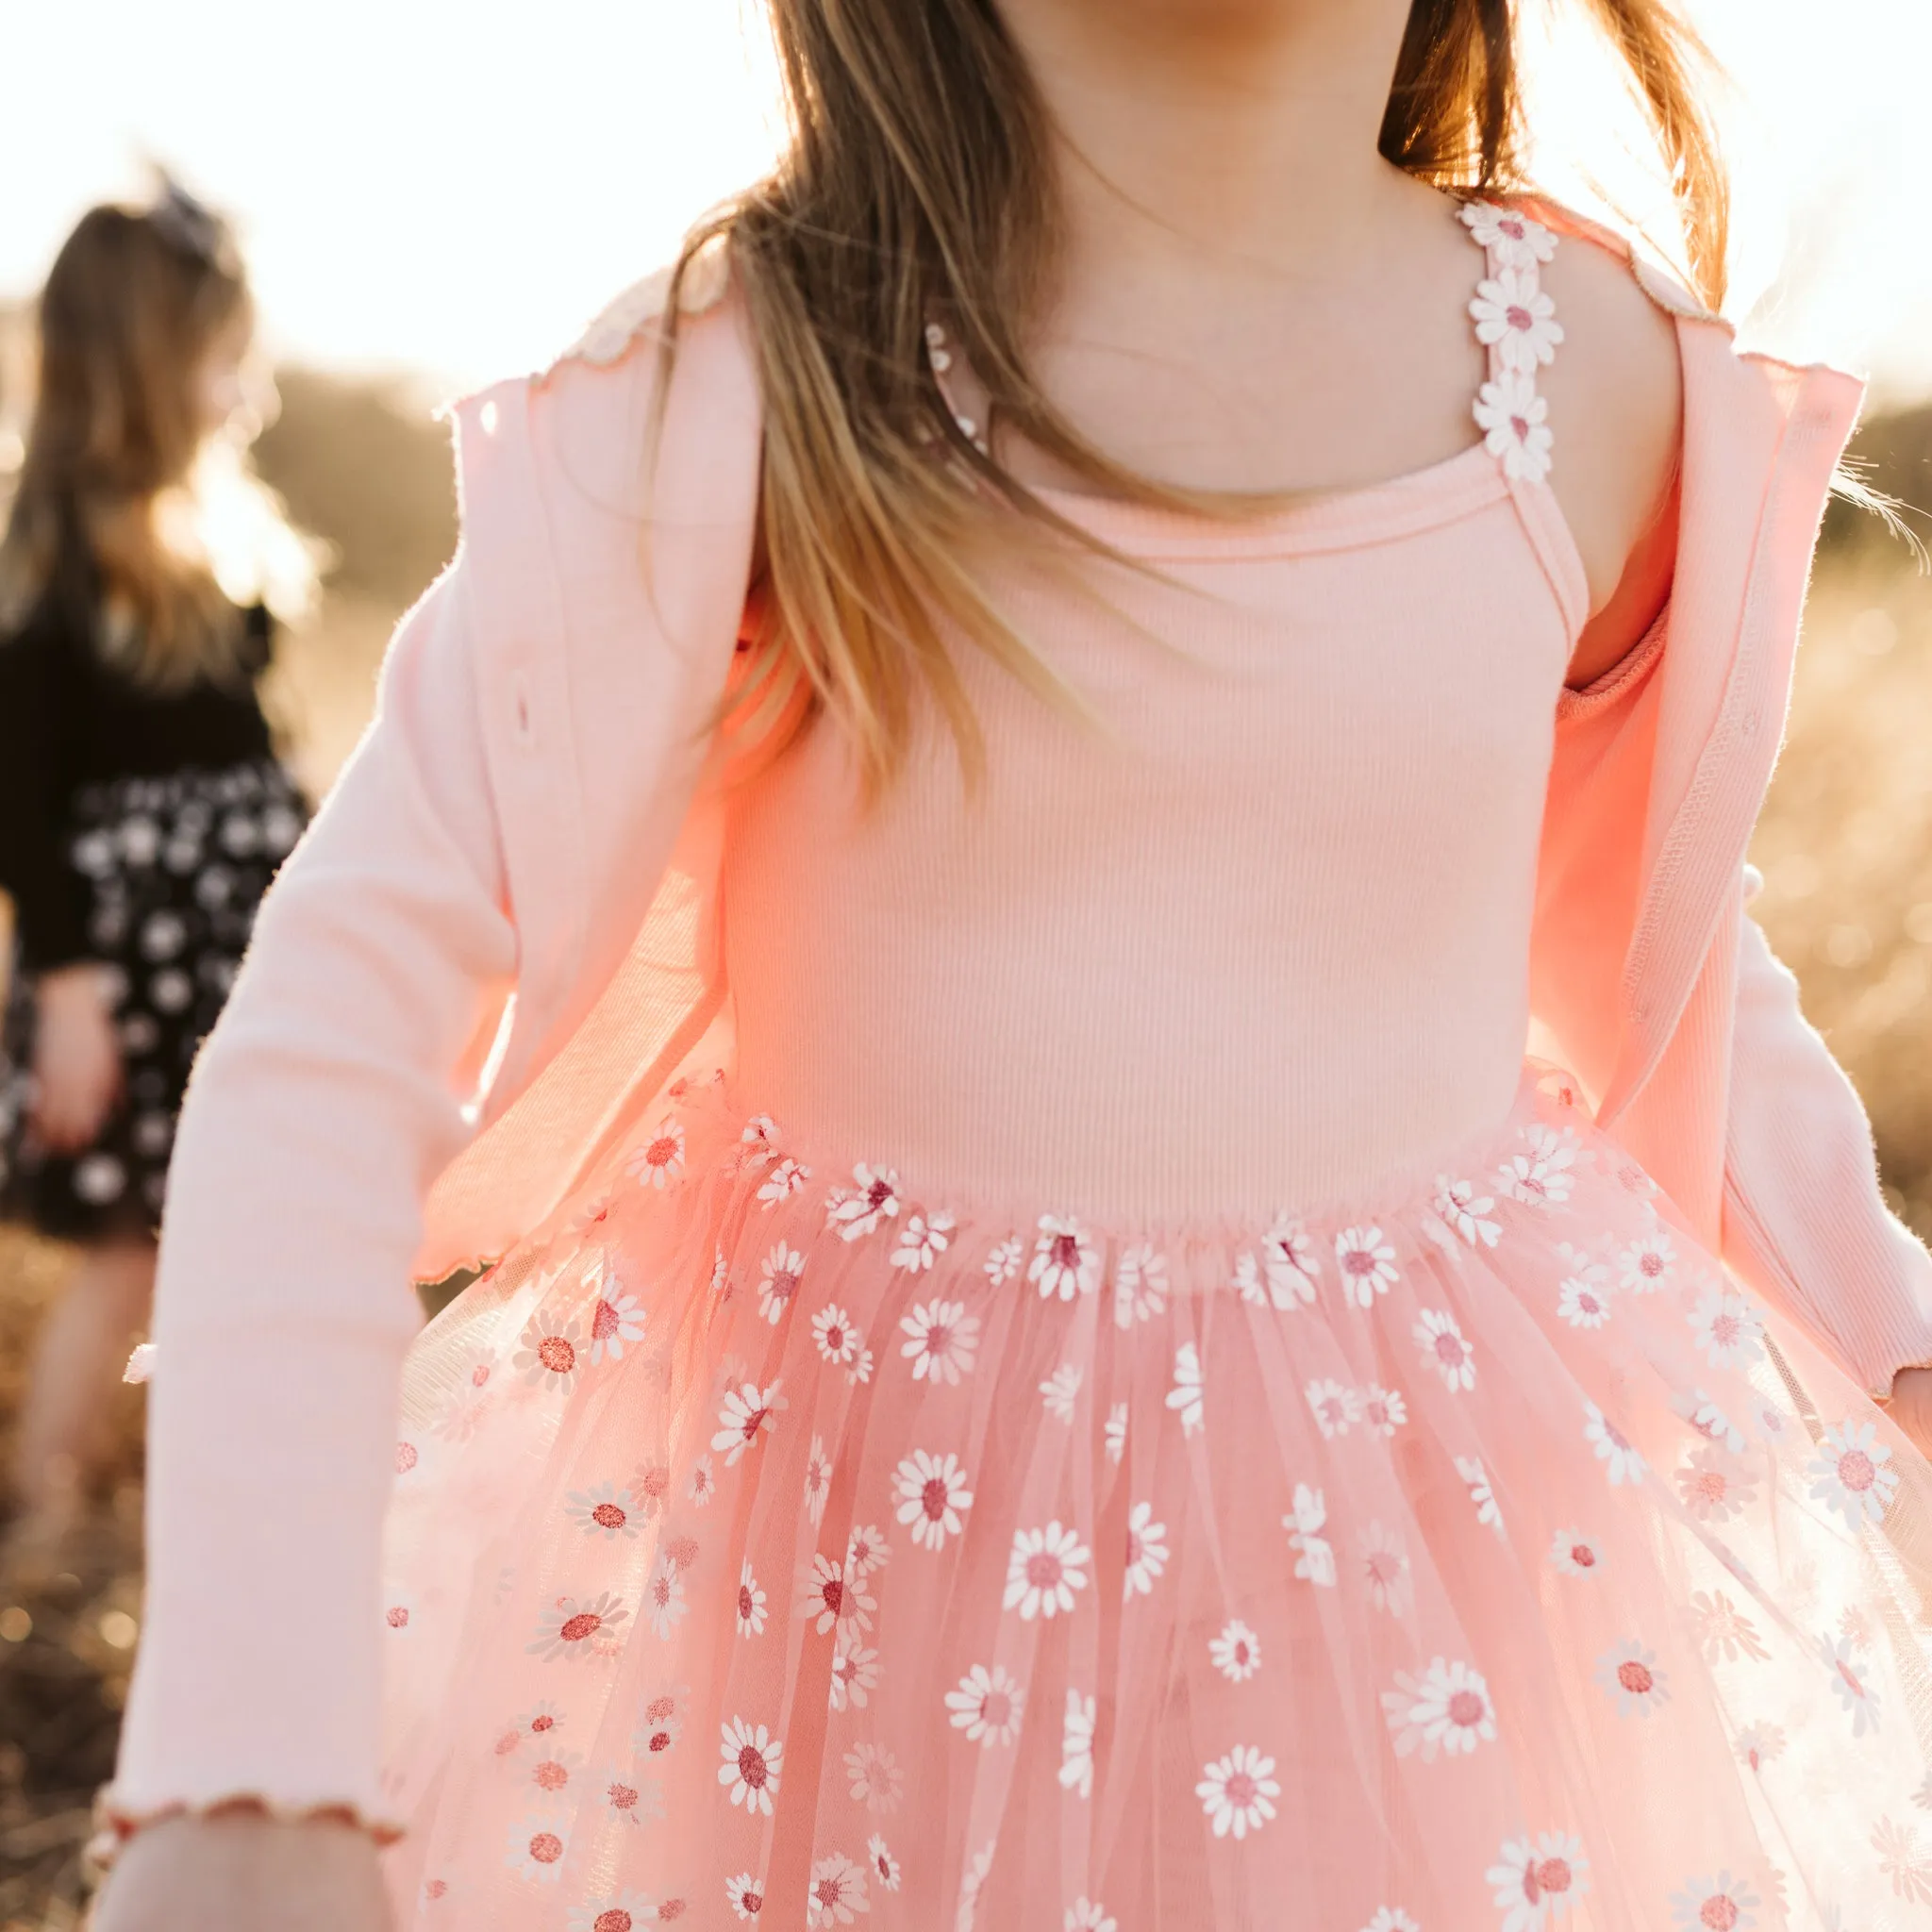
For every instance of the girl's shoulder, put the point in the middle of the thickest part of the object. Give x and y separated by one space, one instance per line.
635 318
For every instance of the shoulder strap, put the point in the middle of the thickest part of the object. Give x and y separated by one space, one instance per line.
1517 322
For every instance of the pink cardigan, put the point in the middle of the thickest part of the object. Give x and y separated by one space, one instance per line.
535 810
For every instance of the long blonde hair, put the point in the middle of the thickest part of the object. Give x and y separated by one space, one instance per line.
915 183
127 513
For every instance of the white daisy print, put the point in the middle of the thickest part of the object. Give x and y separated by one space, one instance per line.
1076 1746
1003 1260
1184 1398
1140 1285
923 1240
1583 1300
1513 316
970 1883
650 1485
1044 1570
664 1600
1146 1552
604 1511
1488 1512
1724 1631
782 1273
1709 1420
784 1180
933 1497
552 1773
867 1550
1116 1435
1572 1553
1901 1861
818 1481
1238 1791
854 1673
1627 1674
1537 1879
1445 1708
1335 1407
873 1197
1715 1486
1516 241
1060 1389
701 1484
1728 1329
1392 1919
1719 1900
622 1911
1383 1410
837 1894
836 1599
1623 1464
750 1603
746 1413
537 1848
1366 1264
1443 1349
1247 1280
884 1868
617 1319
1853 1682
1065 1260
661 1160
1290 1264
1648 1263
1235 1653
1544 1175
1515 424
942 1339
551 1354
1466 1211
1757 1744
1304 1524
721 1274
1385 1570
1852 1472
754 1761
759 1142
875 1778
571 1625
987 1705
1088 1915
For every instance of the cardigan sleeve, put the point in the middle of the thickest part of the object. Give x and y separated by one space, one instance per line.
281 1319
38 703
1805 1221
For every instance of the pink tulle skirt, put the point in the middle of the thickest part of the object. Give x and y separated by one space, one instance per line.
779 1540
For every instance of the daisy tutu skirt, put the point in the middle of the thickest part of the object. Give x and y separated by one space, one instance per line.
780 1539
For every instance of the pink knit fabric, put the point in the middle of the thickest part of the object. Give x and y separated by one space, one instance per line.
1123 1406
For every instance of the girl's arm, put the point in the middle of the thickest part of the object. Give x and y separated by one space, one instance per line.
36 722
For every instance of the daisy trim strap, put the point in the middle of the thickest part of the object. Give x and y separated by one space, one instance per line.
1516 322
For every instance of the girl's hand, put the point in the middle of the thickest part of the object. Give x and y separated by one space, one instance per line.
245 1874
1911 1407
76 1056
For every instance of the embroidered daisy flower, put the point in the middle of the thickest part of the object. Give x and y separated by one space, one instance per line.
750 1603
1186 1397
1584 1302
837 1893
818 1481
1514 316
1572 1553
552 1771
753 1761
933 1497
1290 1264
1466 1211
1385 1570
1065 1260
834 1598
664 1600
1728 1329
649 1487
537 1847
1627 1674
1366 1264
1623 1464
1060 1388
617 1319
784 1180
867 1550
1383 1410
1392 1919
875 1778
1076 1746
940 1341
1852 1682
759 1142
884 1868
602 1512
1443 1348
1088 1915
570 1626
1546 1176
1003 1260
1445 1708
1116 1435
1537 1879
923 1239
1648 1263
661 1723
1238 1791
551 1354
1140 1285
854 1673
1513 239
1515 424
701 1484
873 1197
782 1273
1724 1631
1235 1653
661 1160
1715 1486
1757 1744
1304 1524
1335 1407
539 1721
1709 1420
590 1222
1043 1570
1903 1862
1146 1552
1852 1472
987 1705
743 1417
1470 1468
745 1896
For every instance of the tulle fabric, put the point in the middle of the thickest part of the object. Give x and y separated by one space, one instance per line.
780 1539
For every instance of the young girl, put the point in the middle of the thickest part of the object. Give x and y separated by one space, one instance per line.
1047 1364
141 808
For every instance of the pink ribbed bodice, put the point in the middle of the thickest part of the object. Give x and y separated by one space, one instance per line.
1257 935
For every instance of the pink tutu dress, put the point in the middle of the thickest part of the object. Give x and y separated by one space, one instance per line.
1113 1400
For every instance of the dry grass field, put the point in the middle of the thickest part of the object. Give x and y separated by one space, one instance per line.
1846 845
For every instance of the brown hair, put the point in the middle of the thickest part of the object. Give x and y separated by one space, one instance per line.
916 183
121 489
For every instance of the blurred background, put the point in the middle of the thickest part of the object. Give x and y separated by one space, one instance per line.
431 197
